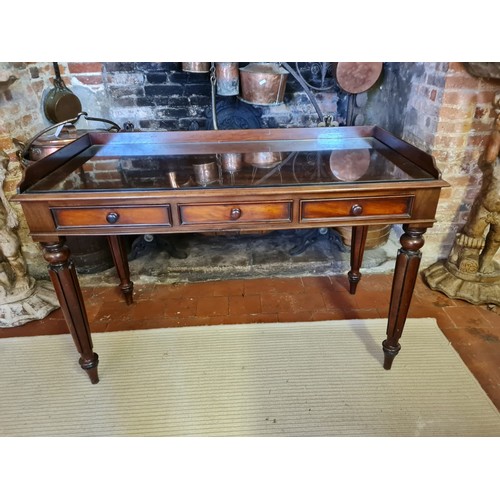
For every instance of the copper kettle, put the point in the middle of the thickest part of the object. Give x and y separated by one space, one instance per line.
44 144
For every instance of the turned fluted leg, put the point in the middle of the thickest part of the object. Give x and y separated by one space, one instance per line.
405 276
63 275
358 240
121 265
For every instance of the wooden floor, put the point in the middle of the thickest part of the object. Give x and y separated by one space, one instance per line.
474 331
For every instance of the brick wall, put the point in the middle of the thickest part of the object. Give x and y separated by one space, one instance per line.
438 107
162 96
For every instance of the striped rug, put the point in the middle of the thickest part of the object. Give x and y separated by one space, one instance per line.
288 379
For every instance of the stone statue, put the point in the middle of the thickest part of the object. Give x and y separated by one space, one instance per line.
21 298
14 279
471 273
476 252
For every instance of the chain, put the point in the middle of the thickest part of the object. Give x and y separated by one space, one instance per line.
213 83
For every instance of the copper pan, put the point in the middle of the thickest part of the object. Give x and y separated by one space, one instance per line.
357 77
350 165
60 103
263 83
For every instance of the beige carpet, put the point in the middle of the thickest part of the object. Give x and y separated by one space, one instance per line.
295 379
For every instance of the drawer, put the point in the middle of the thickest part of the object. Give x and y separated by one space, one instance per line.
215 213
142 215
372 208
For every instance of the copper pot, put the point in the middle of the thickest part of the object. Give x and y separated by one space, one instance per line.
231 162
227 75
205 172
263 83
263 159
196 67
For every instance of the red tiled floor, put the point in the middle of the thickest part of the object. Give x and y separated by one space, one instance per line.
474 331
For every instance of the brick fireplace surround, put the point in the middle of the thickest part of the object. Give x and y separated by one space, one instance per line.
438 107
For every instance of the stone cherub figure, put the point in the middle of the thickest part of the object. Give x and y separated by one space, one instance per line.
477 251
14 278
21 298
471 273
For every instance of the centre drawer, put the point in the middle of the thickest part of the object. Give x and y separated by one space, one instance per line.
371 208
215 213
140 215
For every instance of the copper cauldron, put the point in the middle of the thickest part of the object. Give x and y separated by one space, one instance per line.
263 83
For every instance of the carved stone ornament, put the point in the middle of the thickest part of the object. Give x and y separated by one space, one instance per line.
22 299
471 273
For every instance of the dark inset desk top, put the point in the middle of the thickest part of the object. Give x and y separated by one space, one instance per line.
103 161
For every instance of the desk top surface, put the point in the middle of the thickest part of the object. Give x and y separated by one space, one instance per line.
128 161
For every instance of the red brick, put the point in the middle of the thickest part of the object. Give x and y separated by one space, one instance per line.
456 97
459 114
276 303
453 127
311 301
276 285
38 87
249 304
461 81
228 288
294 316
486 96
449 141
477 141
87 67
180 307
212 306
203 289
90 79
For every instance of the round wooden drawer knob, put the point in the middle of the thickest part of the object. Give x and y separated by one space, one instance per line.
235 213
112 217
356 210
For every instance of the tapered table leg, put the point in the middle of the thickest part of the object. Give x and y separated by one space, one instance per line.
64 278
358 240
121 264
403 283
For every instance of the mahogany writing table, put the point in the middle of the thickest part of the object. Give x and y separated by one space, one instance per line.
132 183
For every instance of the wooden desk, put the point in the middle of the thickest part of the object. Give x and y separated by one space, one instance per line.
123 183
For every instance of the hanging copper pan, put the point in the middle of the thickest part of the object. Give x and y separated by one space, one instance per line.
60 103
357 77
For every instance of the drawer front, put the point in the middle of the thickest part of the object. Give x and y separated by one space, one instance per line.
158 215
398 206
216 213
